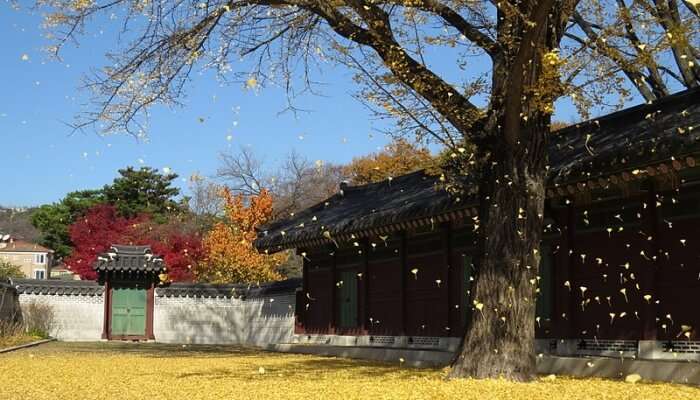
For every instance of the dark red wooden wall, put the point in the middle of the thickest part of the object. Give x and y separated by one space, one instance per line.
647 244
677 282
427 281
318 292
384 315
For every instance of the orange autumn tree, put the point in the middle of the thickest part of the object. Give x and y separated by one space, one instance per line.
230 255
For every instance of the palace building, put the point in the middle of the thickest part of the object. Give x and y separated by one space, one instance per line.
389 263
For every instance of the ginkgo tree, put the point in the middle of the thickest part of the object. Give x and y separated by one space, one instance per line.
397 158
488 96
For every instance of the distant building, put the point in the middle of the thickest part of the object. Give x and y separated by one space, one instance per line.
34 260
61 271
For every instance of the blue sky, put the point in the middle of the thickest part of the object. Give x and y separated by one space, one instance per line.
42 160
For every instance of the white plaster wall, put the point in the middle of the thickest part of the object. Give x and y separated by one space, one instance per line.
257 322
271 320
75 318
261 321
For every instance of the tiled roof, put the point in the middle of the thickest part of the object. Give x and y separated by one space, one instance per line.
361 207
92 288
622 141
231 290
22 246
129 258
627 139
57 287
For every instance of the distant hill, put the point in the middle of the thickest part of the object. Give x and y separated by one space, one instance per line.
16 221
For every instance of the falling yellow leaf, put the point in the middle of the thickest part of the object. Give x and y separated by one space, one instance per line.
251 83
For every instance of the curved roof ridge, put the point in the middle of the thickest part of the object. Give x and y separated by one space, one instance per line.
639 108
397 178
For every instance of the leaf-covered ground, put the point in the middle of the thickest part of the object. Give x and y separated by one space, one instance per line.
147 371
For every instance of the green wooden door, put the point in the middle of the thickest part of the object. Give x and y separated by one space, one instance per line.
544 297
129 309
347 299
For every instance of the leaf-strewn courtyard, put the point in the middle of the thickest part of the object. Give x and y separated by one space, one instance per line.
153 371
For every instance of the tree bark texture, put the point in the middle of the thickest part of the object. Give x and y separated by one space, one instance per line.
499 341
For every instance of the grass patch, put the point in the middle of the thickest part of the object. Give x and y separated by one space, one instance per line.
17 340
151 371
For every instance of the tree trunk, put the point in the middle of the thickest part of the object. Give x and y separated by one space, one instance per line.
500 338
499 341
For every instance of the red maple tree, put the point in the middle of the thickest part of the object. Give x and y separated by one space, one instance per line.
101 227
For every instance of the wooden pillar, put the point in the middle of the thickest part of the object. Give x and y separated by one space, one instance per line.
649 274
304 271
404 274
563 306
300 308
150 308
364 288
107 299
334 294
304 275
447 285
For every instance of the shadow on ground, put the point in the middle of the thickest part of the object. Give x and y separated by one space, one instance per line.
274 363
146 349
